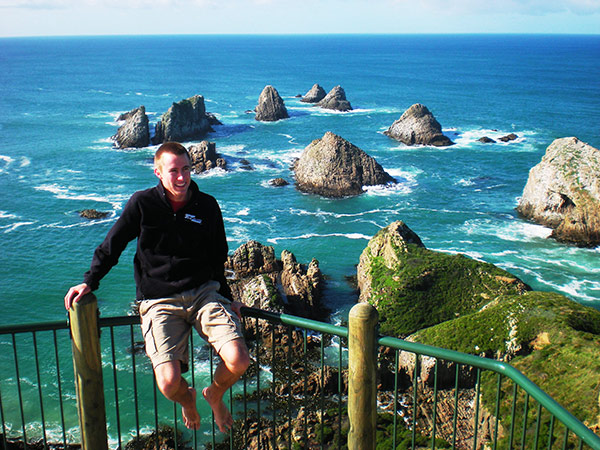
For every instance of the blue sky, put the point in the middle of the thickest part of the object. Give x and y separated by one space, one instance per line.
113 17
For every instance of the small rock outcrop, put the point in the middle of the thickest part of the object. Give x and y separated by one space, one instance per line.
204 157
508 137
315 95
135 132
93 214
183 121
261 280
270 106
486 140
417 126
563 192
336 100
333 167
278 182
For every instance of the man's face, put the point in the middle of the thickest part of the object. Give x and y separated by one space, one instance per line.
174 173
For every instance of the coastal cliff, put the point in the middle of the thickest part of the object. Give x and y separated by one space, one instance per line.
457 303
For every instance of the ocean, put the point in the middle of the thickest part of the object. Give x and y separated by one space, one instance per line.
60 97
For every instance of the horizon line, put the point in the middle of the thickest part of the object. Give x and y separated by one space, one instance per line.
275 34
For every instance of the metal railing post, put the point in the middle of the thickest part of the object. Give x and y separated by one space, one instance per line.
87 363
362 377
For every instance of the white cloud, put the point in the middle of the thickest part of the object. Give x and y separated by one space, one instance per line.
529 7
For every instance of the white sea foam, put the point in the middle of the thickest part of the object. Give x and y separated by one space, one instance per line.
64 193
7 215
14 226
320 213
243 212
352 236
5 162
467 138
388 189
514 231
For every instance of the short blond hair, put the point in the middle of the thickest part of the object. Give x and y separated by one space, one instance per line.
175 148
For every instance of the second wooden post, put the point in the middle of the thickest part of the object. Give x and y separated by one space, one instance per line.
362 377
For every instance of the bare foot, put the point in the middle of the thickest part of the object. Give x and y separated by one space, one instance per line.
191 418
222 415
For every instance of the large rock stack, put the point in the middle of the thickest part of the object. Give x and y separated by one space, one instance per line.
184 120
417 126
563 192
333 167
270 106
336 100
134 133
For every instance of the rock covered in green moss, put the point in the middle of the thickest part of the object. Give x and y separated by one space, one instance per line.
563 192
414 288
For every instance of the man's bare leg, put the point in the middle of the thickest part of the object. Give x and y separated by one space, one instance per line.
175 388
235 361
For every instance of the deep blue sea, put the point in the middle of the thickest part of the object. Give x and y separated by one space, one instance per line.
59 99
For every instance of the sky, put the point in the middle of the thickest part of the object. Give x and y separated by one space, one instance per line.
137 17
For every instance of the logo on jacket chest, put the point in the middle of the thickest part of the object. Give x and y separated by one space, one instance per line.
193 218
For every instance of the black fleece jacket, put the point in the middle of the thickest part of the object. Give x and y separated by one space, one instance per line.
175 251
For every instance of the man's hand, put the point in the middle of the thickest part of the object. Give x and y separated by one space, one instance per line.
75 294
237 308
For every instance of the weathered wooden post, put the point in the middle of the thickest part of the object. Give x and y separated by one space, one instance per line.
362 373
83 317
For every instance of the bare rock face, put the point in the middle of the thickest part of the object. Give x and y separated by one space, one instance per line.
183 121
333 167
260 280
134 133
417 126
563 192
270 106
204 157
315 95
336 100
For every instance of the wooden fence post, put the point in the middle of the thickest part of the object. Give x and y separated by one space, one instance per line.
87 363
362 373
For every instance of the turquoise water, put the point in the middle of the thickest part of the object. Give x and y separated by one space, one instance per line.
59 99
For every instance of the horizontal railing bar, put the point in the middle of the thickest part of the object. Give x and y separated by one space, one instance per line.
31 327
570 421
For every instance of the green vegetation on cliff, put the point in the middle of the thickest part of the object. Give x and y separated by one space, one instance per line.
425 288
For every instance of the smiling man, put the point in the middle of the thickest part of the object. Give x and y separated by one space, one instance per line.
180 282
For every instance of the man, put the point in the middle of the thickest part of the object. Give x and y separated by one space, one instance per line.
180 282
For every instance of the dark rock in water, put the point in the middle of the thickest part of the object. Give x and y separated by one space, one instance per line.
204 157
270 106
486 140
278 182
417 126
245 165
135 132
336 100
183 121
314 95
508 137
333 167
212 119
563 192
93 214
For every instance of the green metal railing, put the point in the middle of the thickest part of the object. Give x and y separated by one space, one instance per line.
284 400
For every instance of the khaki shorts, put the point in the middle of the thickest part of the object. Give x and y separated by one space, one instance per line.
167 323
